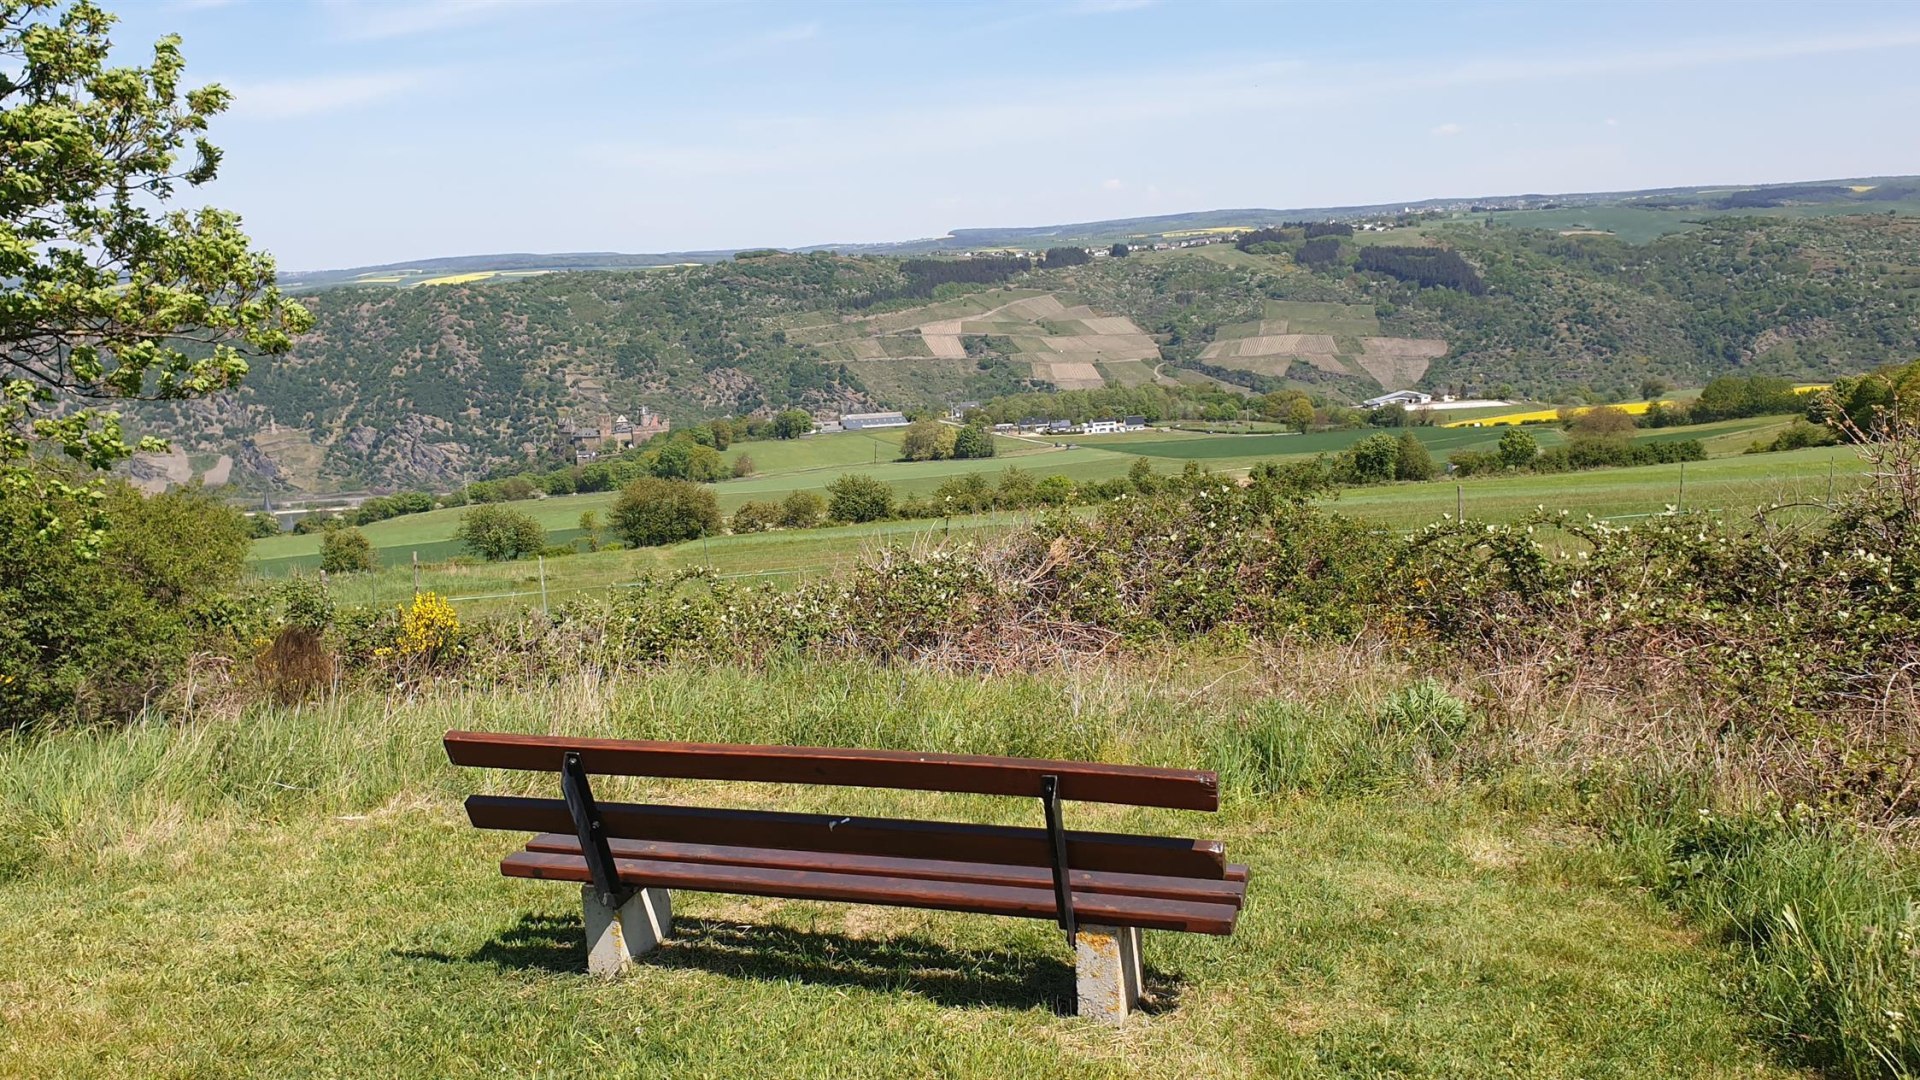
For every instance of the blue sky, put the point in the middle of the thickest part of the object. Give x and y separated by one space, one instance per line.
375 132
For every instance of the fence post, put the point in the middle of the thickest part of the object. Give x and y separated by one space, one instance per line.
1682 504
1459 504
1829 485
416 573
543 584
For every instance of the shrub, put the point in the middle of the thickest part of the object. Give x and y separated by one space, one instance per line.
927 440
1414 463
1373 460
857 497
1518 448
802 510
93 634
429 628
347 550
792 423
973 442
260 526
651 511
742 466
755 517
497 534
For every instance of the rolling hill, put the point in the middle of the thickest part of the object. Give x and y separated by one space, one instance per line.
430 385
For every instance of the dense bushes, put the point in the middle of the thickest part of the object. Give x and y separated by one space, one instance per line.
347 550
651 511
86 634
497 534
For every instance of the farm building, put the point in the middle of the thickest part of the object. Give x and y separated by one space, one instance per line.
1135 423
865 420
1105 427
1408 398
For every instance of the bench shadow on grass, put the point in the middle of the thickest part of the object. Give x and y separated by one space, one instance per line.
1015 978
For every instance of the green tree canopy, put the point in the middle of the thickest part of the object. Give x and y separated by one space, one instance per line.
857 497
347 551
110 295
652 511
498 533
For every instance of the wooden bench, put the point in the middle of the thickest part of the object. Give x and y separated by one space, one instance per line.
1103 889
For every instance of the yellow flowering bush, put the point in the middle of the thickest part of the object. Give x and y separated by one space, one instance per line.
430 627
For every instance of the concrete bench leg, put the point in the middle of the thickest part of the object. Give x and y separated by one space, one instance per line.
615 936
1106 962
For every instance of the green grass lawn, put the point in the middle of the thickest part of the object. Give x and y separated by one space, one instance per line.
296 892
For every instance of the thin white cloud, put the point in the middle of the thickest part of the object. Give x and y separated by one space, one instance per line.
1112 185
361 20
1109 7
315 95
1111 106
773 41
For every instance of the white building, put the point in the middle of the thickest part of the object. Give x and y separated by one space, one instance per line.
1410 399
1105 427
861 421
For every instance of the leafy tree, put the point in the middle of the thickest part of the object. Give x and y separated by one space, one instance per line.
753 517
1119 251
1140 475
1415 462
108 295
857 497
802 510
973 442
1299 415
965 494
1017 488
260 526
590 525
498 534
1518 448
1373 460
347 550
927 440
652 511
1055 490
1602 422
792 423
1389 415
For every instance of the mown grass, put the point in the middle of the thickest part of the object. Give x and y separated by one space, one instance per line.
295 892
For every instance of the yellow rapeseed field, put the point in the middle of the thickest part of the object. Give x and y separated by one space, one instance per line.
1535 416
461 279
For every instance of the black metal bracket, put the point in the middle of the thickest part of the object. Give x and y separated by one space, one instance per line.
593 837
1062 879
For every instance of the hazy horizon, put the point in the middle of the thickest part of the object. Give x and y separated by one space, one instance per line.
375 133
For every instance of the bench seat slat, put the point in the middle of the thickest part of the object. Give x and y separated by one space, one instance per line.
1003 844
1145 912
1131 785
1165 888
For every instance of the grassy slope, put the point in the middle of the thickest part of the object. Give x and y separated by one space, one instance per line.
297 893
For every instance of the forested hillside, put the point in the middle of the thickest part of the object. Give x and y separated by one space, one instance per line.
430 385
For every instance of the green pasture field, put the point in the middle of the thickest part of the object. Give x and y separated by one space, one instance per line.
1735 485
296 892
1738 483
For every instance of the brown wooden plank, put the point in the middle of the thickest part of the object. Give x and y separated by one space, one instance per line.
1130 785
1031 877
1004 844
1145 912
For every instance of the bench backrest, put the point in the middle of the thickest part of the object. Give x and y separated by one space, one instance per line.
1129 785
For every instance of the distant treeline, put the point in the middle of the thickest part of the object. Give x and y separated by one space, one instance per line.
1065 256
1322 252
1424 266
925 275
1313 230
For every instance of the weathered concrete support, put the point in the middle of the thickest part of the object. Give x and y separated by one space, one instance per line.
615 936
1106 962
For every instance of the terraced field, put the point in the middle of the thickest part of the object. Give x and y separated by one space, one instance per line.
1057 338
1340 339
